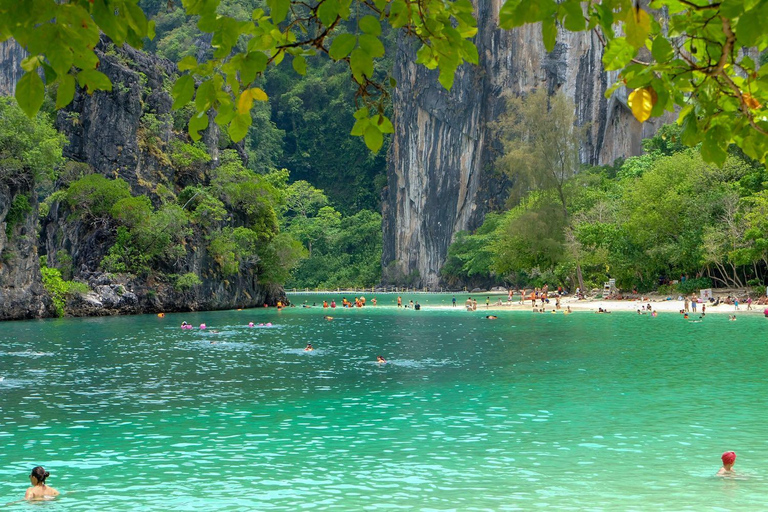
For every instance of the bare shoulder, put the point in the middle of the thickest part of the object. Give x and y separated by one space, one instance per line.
52 492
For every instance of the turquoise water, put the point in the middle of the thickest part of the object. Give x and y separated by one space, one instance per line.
567 412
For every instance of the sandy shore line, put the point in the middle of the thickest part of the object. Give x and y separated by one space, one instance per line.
662 306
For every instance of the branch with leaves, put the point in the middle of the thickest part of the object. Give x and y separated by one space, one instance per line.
695 56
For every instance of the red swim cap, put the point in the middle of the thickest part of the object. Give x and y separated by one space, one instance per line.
729 457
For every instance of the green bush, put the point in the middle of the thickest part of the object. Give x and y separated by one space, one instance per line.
694 285
19 209
58 288
95 195
187 281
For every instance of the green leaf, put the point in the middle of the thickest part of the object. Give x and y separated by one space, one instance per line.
447 75
370 25
238 128
342 45
661 49
383 123
66 91
113 26
187 63
713 147
549 33
574 16
361 113
253 64
30 92
359 128
196 124
183 91
373 138
300 65
94 80
371 45
361 64
749 27
278 9
617 54
508 17
328 11
637 26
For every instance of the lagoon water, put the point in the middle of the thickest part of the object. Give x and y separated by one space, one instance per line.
566 412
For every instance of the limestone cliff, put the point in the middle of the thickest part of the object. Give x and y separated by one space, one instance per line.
439 178
121 134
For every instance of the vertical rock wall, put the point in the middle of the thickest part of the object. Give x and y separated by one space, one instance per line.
439 178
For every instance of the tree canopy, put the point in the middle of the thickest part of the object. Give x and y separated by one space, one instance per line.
701 56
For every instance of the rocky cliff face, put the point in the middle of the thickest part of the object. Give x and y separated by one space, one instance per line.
11 55
21 291
120 134
440 179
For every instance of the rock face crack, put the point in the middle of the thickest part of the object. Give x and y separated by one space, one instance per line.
439 179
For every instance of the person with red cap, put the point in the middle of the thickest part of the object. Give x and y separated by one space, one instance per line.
729 459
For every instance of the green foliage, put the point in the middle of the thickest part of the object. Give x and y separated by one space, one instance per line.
662 215
189 157
340 251
233 247
471 257
58 288
93 196
693 285
20 208
187 281
30 148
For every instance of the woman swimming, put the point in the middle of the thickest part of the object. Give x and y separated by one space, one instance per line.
380 359
309 348
40 491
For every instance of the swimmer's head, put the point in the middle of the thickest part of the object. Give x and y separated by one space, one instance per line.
729 458
40 474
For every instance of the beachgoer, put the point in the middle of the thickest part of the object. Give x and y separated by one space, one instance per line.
333 303
40 491
399 302
380 359
325 304
735 303
309 348
729 459
474 304
417 306
487 302
686 305
373 301
329 318
453 301
491 317
568 309
749 303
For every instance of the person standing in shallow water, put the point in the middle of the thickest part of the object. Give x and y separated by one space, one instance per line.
40 491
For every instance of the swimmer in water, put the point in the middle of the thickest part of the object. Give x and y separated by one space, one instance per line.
329 318
40 491
729 459
309 348
491 317
380 359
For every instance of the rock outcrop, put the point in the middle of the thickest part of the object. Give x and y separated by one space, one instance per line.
123 134
440 178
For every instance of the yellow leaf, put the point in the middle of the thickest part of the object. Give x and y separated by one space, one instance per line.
641 101
258 94
244 102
